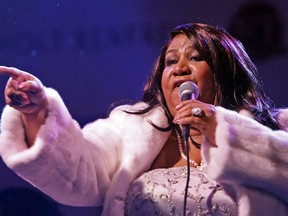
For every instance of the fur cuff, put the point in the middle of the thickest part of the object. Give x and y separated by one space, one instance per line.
13 147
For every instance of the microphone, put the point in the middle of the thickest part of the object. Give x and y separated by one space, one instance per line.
188 90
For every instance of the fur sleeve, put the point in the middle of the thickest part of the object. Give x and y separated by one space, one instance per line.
248 154
66 162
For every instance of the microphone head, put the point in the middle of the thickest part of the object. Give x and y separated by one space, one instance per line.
190 88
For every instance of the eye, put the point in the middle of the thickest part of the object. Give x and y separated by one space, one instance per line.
196 58
171 61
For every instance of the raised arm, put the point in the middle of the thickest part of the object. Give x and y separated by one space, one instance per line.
25 93
72 165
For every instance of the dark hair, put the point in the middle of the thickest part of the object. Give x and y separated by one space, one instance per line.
237 85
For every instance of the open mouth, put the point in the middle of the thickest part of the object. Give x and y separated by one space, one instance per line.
177 83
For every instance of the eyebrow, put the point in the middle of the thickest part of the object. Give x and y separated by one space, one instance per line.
176 49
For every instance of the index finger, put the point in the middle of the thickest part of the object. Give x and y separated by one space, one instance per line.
10 71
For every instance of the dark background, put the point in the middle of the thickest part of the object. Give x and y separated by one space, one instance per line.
96 52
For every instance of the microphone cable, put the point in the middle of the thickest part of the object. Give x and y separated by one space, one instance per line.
187 90
188 176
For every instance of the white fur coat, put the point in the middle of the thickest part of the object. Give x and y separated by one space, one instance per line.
96 164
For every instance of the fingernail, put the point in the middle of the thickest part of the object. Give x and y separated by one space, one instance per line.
176 121
21 86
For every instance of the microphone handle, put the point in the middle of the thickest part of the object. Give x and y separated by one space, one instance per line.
185 131
186 127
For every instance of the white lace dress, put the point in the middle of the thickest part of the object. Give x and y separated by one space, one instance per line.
161 192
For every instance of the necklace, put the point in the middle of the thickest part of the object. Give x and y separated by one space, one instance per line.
179 140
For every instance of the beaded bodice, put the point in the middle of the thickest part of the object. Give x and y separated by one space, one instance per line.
161 191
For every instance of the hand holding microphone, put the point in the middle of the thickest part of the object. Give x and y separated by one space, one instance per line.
199 114
188 90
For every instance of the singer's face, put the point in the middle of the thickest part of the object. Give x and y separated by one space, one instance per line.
182 63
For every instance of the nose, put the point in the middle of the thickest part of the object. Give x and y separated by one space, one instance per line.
181 68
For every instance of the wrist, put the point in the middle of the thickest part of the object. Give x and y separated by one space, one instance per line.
32 123
36 117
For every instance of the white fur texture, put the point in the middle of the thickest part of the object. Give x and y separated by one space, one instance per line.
253 160
81 167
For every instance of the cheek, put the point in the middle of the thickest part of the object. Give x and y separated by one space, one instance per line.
165 84
206 87
170 94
